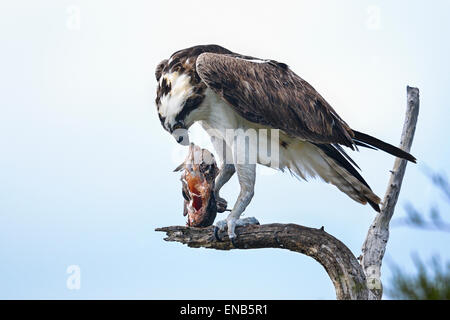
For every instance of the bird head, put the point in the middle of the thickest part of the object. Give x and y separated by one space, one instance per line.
180 91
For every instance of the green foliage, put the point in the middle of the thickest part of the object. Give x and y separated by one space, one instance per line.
430 282
415 218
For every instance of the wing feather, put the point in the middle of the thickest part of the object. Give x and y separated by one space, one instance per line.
269 93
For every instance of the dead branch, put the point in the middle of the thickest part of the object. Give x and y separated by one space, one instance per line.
339 262
374 246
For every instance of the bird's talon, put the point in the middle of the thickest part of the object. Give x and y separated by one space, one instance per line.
216 234
221 204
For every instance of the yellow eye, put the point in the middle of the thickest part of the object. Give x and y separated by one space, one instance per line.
177 126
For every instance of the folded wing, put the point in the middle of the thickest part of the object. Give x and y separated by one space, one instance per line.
269 93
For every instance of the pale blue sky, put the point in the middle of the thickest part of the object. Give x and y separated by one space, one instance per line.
86 169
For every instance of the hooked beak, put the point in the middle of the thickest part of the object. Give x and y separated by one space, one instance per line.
181 136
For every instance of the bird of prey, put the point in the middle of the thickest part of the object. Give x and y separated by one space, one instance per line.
224 90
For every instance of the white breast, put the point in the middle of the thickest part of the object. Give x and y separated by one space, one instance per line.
221 121
216 115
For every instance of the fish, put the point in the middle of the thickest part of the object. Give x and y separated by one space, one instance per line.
199 171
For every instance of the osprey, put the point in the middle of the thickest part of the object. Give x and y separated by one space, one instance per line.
224 90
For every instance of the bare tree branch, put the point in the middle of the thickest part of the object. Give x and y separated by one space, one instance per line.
339 262
351 279
374 246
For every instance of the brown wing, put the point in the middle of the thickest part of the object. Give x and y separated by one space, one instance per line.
269 93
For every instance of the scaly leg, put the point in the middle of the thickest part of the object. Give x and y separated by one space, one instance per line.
226 171
246 175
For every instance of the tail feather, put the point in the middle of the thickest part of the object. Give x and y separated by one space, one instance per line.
339 161
328 162
362 138
362 144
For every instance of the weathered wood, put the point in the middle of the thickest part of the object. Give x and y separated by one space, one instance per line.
339 262
374 246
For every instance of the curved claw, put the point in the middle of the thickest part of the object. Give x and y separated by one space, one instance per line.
221 204
233 241
216 234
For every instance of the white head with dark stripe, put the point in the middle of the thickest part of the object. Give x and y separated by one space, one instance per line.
180 90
